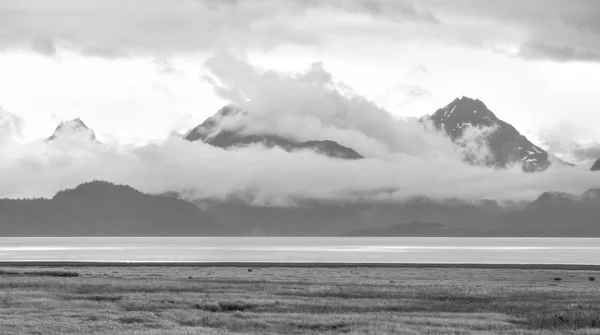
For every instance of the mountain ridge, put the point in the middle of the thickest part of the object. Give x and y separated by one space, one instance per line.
209 132
506 144
100 208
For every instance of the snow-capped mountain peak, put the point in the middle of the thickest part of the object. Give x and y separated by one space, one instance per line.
506 145
75 130
462 112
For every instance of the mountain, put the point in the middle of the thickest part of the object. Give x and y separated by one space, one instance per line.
546 216
211 131
404 229
103 209
73 130
596 166
506 144
330 218
554 214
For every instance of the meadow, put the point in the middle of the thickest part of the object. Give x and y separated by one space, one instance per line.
270 300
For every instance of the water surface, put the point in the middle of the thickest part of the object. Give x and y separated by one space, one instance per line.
303 249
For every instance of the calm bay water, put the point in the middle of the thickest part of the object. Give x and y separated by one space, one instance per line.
303 249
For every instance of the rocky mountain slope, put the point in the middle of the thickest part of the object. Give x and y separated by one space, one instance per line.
596 166
506 145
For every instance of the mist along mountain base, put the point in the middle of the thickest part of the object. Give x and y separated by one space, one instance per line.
213 300
104 209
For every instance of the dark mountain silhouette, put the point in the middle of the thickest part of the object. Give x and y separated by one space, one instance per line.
328 218
596 166
10 125
554 214
211 132
507 146
103 209
73 130
546 216
406 229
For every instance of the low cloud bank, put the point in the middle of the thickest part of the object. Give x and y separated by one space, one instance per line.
269 176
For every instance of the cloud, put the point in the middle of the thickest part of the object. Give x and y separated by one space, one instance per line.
540 29
393 10
475 144
11 127
570 141
270 176
556 52
312 106
405 159
548 29
44 46
115 28
587 152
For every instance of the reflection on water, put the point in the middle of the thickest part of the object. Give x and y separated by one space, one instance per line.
304 249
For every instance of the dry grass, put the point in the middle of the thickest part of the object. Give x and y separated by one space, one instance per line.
163 300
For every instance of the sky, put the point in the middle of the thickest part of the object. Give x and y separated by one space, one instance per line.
136 71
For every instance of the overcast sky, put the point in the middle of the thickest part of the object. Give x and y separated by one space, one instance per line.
135 70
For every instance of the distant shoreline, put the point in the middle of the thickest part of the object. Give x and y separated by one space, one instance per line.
582 267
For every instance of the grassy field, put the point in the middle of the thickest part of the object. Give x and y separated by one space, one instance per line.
200 300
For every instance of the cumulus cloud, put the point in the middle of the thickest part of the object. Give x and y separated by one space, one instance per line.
405 159
312 106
